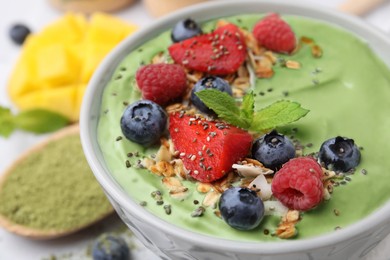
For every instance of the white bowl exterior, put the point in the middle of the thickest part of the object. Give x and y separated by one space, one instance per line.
172 242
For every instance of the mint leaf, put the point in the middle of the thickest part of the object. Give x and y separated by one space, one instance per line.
277 114
224 106
40 121
247 107
7 125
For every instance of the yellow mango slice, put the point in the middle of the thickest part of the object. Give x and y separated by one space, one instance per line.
94 54
56 64
97 42
61 100
102 25
70 28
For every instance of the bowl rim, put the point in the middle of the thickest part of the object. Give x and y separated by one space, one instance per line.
88 121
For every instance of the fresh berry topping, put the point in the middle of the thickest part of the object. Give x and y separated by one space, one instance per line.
218 53
241 208
210 82
19 33
184 30
143 122
273 150
275 34
339 154
298 184
110 247
162 83
208 148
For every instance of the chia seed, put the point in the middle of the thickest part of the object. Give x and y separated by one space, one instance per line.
168 209
198 212
128 165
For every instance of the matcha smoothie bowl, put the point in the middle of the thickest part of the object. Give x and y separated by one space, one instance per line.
198 181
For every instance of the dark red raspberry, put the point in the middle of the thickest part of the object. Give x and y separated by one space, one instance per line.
161 82
298 184
275 34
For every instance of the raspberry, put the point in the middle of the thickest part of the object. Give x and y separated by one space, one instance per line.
162 82
298 184
275 34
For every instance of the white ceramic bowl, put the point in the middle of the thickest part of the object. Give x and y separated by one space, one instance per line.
172 242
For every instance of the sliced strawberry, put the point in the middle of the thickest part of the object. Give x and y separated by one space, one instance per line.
208 149
218 53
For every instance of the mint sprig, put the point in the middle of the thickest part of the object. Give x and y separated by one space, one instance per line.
279 113
37 121
225 107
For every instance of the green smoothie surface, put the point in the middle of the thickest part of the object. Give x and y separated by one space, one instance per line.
347 91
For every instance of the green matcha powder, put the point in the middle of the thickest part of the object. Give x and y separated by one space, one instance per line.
53 189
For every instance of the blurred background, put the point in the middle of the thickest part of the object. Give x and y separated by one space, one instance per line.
38 14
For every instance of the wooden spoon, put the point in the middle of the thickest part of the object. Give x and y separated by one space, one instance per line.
360 7
40 234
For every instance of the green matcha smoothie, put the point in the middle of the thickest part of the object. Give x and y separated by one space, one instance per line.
347 91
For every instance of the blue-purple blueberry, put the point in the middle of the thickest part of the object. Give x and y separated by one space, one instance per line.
110 247
185 29
210 82
241 208
144 122
273 150
339 154
19 33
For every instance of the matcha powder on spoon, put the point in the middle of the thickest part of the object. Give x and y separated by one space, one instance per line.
53 188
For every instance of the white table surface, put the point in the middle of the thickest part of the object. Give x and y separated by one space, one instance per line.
36 14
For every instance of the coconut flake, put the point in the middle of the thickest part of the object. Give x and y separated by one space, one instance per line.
274 208
260 182
163 154
251 170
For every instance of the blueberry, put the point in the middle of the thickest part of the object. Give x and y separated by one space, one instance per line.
143 122
110 247
241 208
19 33
339 154
185 29
273 150
210 82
